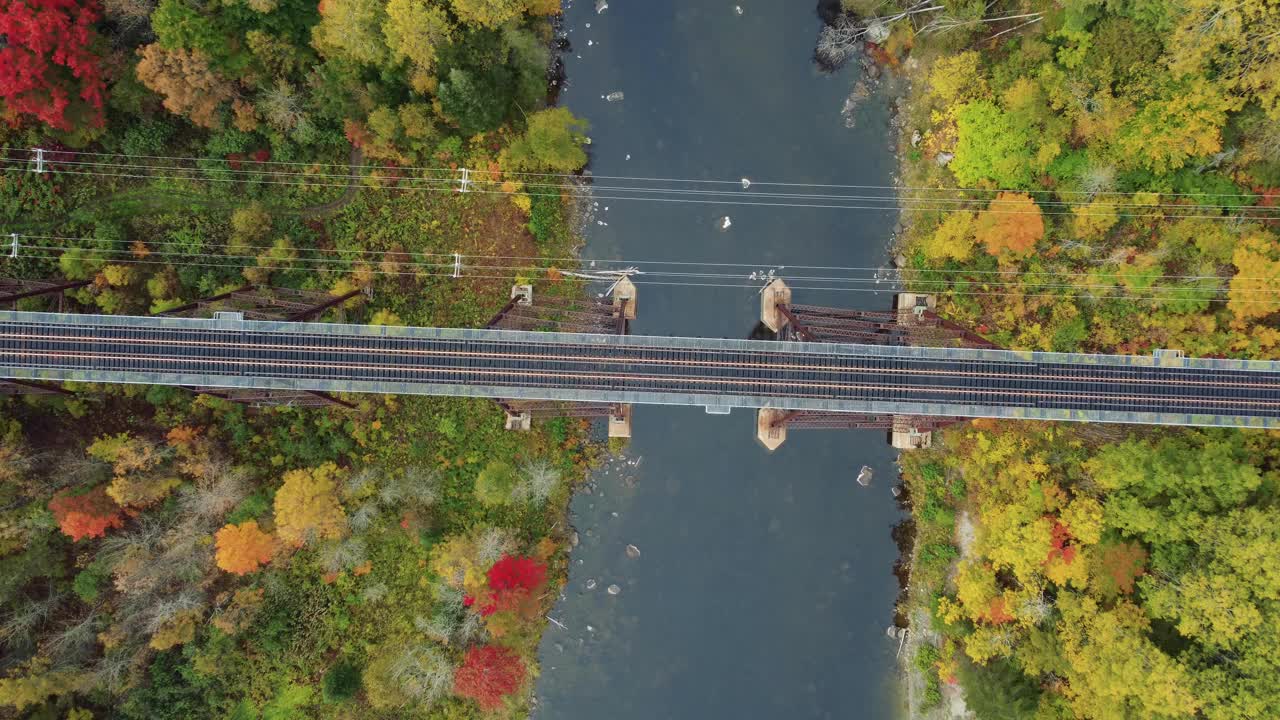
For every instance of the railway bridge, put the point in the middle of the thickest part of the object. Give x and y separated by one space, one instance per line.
827 370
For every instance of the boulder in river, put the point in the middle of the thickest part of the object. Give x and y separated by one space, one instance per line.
614 589
864 476
633 552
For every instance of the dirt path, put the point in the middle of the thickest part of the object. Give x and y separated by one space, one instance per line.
354 162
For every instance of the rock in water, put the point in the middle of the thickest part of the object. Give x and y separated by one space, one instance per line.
614 590
601 6
864 476
615 96
633 552
897 491
591 584
724 223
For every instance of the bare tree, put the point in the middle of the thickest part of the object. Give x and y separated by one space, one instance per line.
538 480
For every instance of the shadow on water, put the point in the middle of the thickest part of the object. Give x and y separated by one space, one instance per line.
764 581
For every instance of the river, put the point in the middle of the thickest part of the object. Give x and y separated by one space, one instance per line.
764 583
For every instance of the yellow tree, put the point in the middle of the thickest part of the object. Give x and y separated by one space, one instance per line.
1011 225
415 30
307 505
953 240
352 29
1255 289
489 13
243 548
1115 671
1236 43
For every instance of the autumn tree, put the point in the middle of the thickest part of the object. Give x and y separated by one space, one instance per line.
553 142
33 683
1011 225
415 31
1184 122
488 674
352 29
85 514
47 62
952 240
1255 288
307 505
488 13
1114 670
1235 44
243 548
189 84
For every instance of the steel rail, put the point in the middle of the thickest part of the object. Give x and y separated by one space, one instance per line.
784 387
1114 374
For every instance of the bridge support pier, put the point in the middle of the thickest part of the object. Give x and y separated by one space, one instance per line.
775 296
620 421
771 428
611 315
911 322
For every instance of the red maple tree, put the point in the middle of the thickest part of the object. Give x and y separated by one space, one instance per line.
517 572
488 674
46 57
1058 547
86 514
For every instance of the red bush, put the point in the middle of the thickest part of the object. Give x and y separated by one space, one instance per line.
488 674
515 572
45 57
85 515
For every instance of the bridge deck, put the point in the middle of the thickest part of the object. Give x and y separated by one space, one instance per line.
639 369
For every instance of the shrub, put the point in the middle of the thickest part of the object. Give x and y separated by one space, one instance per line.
496 483
488 674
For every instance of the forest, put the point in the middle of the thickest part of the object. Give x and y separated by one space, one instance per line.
168 553
1092 176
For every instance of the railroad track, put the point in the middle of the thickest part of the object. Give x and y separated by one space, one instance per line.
598 368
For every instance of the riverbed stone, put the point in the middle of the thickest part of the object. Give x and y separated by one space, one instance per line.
864 476
633 552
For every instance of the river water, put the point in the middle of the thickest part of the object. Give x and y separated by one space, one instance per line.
764 584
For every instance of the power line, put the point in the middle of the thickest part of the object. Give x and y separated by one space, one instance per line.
890 200
759 267
587 194
1207 295
714 197
52 155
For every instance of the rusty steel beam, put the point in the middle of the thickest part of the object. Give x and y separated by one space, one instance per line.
318 309
205 301
47 289
13 386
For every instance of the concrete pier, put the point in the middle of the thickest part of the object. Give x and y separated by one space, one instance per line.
774 294
769 431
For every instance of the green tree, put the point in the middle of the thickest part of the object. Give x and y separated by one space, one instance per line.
1156 488
476 100
553 141
990 148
